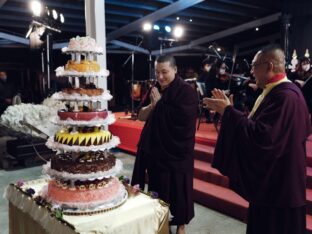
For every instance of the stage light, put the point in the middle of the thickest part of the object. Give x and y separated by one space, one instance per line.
191 20
156 27
168 29
178 31
257 29
62 19
54 14
36 8
147 27
218 49
178 18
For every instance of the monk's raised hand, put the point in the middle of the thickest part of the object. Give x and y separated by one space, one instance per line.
155 96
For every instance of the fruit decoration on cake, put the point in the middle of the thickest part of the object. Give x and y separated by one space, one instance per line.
83 170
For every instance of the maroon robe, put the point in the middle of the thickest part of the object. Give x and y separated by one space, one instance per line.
265 157
166 149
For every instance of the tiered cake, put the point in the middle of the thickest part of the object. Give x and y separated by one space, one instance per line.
83 169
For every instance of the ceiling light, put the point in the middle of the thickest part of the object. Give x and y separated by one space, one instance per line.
168 29
156 27
36 8
257 29
178 18
147 26
62 19
191 20
54 14
178 31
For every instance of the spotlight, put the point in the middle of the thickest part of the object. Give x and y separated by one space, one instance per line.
36 8
168 29
257 29
178 18
218 49
156 27
178 31
191 20
62 19
147 27
54 14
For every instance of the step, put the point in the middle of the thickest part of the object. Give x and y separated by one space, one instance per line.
309 224
204 171
204 152
221 199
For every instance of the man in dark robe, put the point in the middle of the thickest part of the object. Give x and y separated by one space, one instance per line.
264 154
166 145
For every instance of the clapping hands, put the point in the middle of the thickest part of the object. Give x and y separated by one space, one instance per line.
218 102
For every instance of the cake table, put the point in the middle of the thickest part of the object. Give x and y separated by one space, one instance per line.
139 214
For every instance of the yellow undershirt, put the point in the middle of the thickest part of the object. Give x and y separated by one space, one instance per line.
264 93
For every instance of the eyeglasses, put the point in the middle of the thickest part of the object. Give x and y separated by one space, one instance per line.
257 64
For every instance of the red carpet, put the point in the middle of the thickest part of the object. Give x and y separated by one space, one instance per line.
210 187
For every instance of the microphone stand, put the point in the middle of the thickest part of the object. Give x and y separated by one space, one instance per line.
133 115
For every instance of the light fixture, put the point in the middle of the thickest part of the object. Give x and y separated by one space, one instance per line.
54 14
257 29
62 19
156 27
191 20
178 18
36 8
218 49
147 26
178 31
168 28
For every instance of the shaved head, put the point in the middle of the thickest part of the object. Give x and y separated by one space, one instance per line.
275 55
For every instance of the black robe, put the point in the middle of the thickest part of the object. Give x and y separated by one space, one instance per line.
166 149
265 156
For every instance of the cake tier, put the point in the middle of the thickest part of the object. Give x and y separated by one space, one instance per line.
84 91
82 116
97 121
85 198
105 96
87 137
83 66
64 175
83 163
82 44
56 146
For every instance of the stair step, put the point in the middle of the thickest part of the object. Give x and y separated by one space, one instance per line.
204 171
204 152
309 224
221 199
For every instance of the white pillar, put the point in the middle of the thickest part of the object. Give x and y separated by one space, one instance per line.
95 28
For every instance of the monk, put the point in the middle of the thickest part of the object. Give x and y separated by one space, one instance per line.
264 154
166 146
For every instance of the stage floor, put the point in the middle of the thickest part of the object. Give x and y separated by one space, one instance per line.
129 132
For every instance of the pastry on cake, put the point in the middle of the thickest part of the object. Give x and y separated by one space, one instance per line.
83 137
84 91
83 44
88 195
82 116
83 66
83 163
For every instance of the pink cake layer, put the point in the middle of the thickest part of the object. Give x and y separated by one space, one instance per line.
60 195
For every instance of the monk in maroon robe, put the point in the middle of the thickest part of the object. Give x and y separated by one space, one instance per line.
166 145
264 154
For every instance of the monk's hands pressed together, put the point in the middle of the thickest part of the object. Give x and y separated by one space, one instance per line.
218 102
155 96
